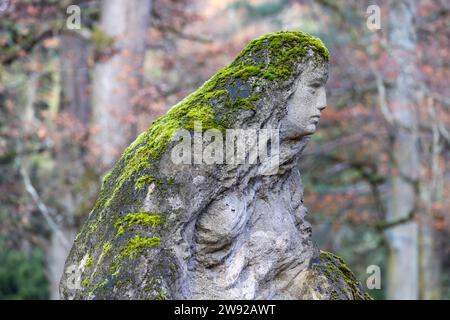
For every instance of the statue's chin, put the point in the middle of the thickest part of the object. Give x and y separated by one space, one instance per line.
309 130
297 136
297 132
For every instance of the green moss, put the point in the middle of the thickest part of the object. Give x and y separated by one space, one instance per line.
136 246
146 181
116 273
334 295
101 42
86 283
204 114
107 177
107 247
93 227
78 235
150 285
122 283
132 249
103 284
161 295
336 270
142 218
89 262
298 41
216 104
247 104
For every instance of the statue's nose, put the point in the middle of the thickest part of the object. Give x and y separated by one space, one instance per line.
322 101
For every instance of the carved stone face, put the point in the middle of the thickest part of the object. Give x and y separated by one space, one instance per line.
306 103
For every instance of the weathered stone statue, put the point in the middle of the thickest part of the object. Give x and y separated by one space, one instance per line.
166 229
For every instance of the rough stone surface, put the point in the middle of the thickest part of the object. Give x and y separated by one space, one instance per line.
222 231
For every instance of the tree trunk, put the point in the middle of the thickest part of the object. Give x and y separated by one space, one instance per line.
118 76
430 257
403 268
430 260
75 92
75 100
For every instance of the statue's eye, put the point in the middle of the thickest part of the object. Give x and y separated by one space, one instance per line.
315 85
312 89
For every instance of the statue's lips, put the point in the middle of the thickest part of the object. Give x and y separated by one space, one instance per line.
315 119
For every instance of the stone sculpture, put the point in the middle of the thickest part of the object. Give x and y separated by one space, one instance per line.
166 229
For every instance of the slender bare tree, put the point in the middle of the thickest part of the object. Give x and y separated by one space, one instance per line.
403 198
118 75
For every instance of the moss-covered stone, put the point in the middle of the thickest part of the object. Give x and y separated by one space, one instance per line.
141 218
146 181
161 295
107 247
336 270
272 57
89 262
147 206
136 245
86 283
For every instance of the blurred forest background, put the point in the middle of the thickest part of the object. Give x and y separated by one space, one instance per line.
376 178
